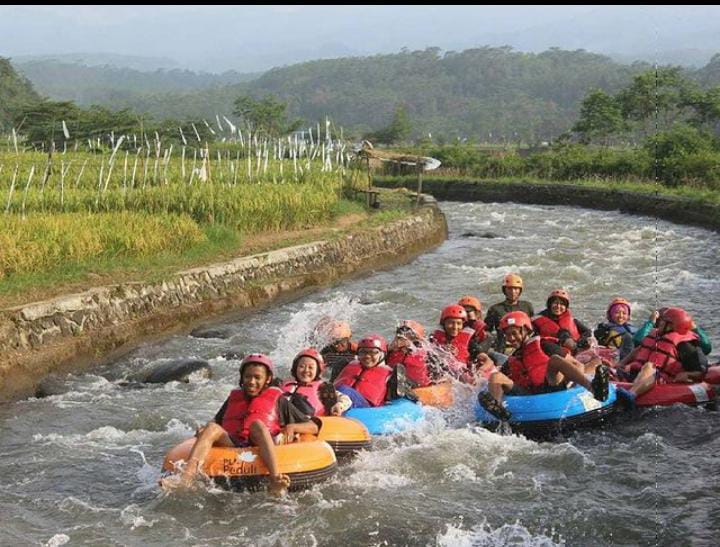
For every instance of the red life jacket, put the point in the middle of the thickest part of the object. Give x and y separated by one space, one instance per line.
529 364
309 391
242 411
662 351
414 363
549 328
371 382
458 345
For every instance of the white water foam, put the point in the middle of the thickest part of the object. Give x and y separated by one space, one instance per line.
484 535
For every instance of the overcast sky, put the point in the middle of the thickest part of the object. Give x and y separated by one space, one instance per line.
250 38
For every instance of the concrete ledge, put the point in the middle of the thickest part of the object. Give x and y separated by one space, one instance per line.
674 209
74 332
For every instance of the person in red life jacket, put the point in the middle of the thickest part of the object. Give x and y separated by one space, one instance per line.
455 337
536 366
671 353
365 380
512 288
250 416
556 322
406 349
338 349
306 385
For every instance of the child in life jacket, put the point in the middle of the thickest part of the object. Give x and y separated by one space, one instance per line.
251 416
512 288
406 349
703 338
338 349
617 332
365 380
319 397
670 353
455 337
556 322
536 366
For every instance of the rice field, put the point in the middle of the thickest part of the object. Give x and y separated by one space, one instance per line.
119 198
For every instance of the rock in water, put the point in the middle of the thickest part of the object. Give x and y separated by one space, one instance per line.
212 332
177 370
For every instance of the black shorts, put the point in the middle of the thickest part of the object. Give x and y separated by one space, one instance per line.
545 388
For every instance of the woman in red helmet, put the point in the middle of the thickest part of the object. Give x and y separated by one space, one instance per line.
512 288
536 366
250 416
455 337
670 353
307 367
365 380
556 322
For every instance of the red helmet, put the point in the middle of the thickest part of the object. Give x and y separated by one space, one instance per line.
471 302
373 341
617 302
313 354
515 319
257 359
453 311
417 329
679 319
512 280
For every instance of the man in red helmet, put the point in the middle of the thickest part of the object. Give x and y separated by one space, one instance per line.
455 337
338 349
536 366
251 416
670 353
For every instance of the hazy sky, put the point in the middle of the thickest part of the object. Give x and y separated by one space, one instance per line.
249 38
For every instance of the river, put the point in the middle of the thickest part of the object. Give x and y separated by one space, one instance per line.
81 468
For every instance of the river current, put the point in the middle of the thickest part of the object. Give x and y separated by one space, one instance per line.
81 468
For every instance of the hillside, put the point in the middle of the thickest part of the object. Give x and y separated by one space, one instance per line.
14 91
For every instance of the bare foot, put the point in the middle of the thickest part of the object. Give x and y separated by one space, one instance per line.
170 483
278 485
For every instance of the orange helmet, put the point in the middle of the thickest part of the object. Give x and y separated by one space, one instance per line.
413 326
559 293
313 354
470 301
333 329
453 311
679 319
515 319
512 280
617 302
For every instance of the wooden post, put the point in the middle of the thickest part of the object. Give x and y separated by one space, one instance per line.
369 172
419 183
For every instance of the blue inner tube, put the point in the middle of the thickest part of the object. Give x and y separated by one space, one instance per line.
552 413
393 417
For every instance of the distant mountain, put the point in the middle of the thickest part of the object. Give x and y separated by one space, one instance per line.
108 84
116 60
14 92
484 93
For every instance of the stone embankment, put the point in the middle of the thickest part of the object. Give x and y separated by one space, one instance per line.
671 208
77 331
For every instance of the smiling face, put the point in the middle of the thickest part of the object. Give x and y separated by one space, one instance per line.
453 326
472 313
557 306
515 336
306 370
619 315
255 378
370 357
